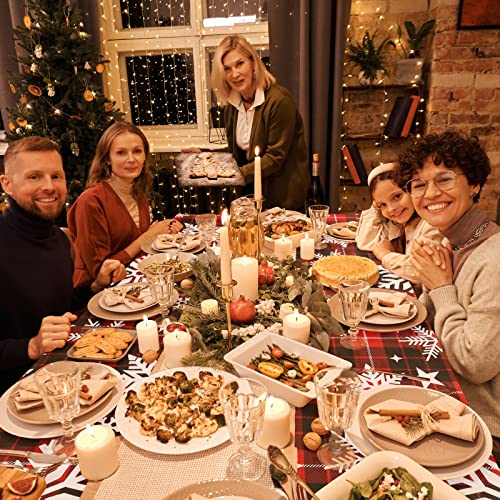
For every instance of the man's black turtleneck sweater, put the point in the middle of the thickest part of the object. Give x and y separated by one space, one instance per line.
36 269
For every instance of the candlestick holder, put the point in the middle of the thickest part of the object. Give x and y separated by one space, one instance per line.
227 296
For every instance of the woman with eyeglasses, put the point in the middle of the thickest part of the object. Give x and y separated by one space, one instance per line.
444 174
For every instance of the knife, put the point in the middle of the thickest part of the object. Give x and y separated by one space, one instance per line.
44 458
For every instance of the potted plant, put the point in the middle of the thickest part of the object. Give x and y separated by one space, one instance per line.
369 57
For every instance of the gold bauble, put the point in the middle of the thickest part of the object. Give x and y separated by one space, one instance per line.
99 68
27 21
12 88
12 126
33 89
88 95
21 121
108 107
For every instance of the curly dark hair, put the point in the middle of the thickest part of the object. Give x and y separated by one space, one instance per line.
450 148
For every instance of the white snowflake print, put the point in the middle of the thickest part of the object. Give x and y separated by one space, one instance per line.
426 340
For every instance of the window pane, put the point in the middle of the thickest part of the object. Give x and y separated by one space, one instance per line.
153 13
161 89
237 8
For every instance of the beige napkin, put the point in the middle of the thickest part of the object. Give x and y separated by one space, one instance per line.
390 299
166 241
115 296
460 426
345 232
96 389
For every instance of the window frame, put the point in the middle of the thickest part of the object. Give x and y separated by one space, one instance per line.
118 43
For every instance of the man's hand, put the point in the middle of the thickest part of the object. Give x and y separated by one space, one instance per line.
53 334
432 264
382 248
111 271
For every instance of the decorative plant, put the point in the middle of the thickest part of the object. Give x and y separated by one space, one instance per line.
369 57
415 38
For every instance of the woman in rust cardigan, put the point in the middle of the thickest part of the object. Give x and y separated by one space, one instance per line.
111 218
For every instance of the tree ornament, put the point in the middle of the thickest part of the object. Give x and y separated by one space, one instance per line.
12 88
23 99
22 121
38 51
87 66
12 126
27 70
27 22
99 68
51 91
91 124
75 149
108 106
88 95
19 131
76 70
67 21
34 68
34 90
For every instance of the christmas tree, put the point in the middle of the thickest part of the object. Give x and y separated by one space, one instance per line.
59 88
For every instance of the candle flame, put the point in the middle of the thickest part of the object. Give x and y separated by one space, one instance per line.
296 315
90 430
283 237
224 217
257 150
144 317
307 236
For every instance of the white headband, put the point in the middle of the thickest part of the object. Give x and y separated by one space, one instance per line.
385 167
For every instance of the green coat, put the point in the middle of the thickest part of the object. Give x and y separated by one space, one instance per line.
279 132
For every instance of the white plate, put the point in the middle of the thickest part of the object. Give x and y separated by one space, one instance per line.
230 489
130 305
14 426
371 467
382 319
451 472
129 427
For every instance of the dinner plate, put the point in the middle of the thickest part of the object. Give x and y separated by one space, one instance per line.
130 305
435 450
9 423
38 415
392 325
147 247
230 489
371 466
129 427
164 258
95 309
340 225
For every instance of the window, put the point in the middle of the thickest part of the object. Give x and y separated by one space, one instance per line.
160 54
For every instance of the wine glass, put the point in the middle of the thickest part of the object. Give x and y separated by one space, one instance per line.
160 278
59 385
206 224
244 402
318 215
353 297
337 393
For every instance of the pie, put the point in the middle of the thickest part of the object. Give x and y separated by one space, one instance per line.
338 268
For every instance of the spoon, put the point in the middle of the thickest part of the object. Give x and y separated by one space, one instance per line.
280 479
278 459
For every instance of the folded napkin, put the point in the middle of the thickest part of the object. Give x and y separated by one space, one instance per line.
118 295
390 299
93 389
458 425
114 296
345 232
166 241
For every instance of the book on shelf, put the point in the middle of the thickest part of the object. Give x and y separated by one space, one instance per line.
415 99
398 115
355 164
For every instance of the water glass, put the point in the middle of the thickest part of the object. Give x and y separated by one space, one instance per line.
160 278
337 393
244 402
206 226
59 385
318 215
353 297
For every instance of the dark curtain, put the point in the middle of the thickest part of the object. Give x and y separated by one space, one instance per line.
12 13
307 42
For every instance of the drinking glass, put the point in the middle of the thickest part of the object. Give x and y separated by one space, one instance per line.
245 230
206 226
353 297
337 393
318 215
244 402
59 385
160 278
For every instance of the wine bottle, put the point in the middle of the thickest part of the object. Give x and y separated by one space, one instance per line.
314 191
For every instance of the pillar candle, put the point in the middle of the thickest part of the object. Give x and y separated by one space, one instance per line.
177 345
246 273
283 247
97 452
147 335
209 306
225 257
297 327
257 176
276 427
286 309
307 248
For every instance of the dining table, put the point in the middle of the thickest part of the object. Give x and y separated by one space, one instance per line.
399 358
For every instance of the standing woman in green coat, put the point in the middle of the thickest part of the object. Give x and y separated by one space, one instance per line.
260 112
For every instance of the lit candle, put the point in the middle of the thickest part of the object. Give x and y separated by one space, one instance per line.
289 281
216 250
147 335
283 247
225 253
177 345
97 452
286 309
307 248
297 327
246 273
276 427
257 176
209 306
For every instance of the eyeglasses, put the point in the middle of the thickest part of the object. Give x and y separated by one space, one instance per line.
444 181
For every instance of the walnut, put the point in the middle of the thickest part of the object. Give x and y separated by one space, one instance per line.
149 356
312 441
187 283
318 427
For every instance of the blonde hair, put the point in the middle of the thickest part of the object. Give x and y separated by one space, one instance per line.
240 44
29 144
100 169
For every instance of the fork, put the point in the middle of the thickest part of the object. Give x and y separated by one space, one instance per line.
39 471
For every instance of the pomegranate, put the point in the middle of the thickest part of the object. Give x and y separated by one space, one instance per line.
266 274
242 310
176 326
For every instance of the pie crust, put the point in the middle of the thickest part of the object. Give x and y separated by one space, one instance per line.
338 268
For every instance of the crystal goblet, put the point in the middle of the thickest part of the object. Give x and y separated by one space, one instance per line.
337 393
206 224
59 385
244 402
318 215
160 278
353 297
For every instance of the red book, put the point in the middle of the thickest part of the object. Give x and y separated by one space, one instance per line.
415 99
350 165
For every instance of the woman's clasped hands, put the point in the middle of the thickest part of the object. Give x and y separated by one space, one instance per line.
432 263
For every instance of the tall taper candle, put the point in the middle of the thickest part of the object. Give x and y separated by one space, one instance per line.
225 257
257 176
